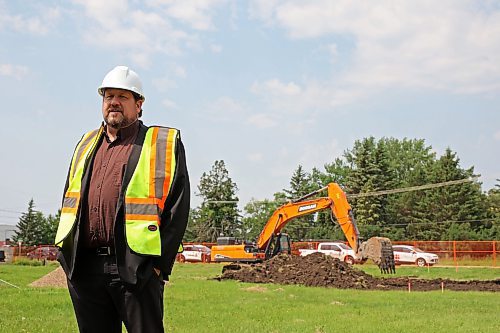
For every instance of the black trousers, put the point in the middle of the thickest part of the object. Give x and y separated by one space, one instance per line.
102 302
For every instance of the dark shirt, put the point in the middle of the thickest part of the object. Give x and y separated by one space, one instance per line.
106 176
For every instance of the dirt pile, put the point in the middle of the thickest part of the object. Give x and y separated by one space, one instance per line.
55 279
324 271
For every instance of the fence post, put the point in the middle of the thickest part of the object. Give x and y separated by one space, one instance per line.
494 253
455 255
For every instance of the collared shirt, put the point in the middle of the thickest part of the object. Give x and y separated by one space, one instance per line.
106 176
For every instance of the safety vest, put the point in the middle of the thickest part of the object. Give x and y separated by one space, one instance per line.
145 194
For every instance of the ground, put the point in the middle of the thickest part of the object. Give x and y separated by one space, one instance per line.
316 270
324 271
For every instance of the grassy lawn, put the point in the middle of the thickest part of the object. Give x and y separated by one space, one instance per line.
196 303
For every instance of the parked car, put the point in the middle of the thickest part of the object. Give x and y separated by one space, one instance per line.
406 254
43 252
195 253
335 249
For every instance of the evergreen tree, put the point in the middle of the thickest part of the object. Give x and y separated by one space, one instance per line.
300 185
443 206
218 214
30 226
409 161
370 172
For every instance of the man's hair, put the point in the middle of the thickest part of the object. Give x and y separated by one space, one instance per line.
137 97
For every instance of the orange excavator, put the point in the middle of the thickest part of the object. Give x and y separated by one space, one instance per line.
272 242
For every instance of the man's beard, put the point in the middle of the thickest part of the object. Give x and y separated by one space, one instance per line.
115 119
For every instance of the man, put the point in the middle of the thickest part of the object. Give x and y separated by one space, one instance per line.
125 210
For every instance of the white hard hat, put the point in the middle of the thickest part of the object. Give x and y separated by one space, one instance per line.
122 77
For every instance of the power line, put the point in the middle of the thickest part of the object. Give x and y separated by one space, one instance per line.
10 211
412 188
9 217
222 201
17 212
438 222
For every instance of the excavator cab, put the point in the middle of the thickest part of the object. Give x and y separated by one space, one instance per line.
279 243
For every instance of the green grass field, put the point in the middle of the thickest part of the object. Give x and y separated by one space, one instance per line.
195 302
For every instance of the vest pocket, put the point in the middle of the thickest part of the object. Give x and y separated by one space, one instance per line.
143 236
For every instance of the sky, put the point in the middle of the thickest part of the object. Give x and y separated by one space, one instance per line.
265 85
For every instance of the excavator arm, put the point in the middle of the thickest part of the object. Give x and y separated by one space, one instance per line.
379 249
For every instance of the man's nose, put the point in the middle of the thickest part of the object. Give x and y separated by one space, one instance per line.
115 101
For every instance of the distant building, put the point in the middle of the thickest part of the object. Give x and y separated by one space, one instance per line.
7 231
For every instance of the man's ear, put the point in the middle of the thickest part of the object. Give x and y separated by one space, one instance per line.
138 104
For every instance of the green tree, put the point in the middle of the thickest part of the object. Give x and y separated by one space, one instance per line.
300 185
439 208
218 214
491 229
409 161
257 214
370 172
30 226
48 228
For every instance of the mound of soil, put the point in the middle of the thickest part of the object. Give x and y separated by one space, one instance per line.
55 279
320 270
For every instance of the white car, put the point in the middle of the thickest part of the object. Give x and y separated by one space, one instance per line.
194 253
406 254
335 249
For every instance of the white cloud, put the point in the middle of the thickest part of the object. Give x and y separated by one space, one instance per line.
36 25
447 45
276 87
196 13
15 71
145 29
263 9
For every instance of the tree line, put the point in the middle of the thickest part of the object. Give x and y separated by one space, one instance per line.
456 212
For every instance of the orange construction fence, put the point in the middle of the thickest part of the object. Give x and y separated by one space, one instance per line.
455 250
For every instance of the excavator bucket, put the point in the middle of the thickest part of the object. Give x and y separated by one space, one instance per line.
379 249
